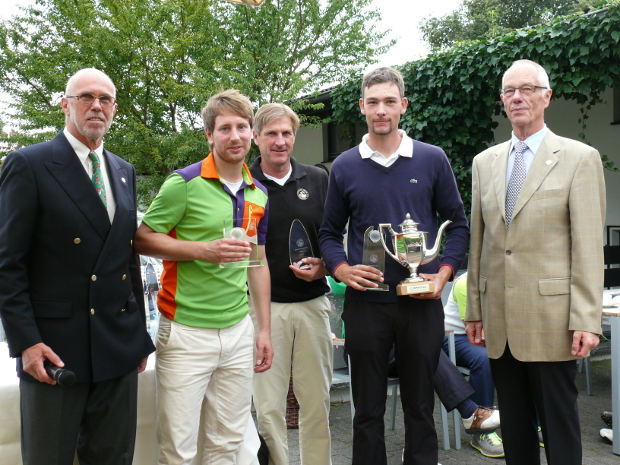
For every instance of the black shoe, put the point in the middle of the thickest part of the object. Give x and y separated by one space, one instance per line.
607 418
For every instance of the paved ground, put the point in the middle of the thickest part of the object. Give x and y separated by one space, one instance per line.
596 451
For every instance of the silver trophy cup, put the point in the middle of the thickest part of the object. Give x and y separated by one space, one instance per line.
410 251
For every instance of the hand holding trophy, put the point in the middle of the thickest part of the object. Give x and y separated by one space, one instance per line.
410 251
246 231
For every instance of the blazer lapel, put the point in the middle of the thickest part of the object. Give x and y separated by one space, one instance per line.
67 169
498 168
544 161
119 181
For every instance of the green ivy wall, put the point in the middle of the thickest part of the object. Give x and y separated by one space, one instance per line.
454 95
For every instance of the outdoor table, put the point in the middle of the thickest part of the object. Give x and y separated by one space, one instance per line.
611 317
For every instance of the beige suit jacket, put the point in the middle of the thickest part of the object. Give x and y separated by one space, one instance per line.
536 282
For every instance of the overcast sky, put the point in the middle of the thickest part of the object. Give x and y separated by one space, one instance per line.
402 16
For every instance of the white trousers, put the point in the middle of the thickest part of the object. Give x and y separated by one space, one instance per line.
204 372
301 338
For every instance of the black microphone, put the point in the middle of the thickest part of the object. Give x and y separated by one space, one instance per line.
62 376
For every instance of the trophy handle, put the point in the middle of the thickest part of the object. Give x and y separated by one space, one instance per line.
431 254
388 226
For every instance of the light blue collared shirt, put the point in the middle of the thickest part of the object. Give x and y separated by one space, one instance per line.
533 143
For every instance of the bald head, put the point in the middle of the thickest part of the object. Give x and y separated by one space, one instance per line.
87 74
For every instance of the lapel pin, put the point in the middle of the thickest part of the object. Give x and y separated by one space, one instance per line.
548 162
123 179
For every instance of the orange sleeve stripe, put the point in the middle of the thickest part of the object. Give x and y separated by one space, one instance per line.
166 297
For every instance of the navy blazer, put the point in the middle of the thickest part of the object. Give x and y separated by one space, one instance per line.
69 278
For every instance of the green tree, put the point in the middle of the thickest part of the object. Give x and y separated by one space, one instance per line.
167 57
476 19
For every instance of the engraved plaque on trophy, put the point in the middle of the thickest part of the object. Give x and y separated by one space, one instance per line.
410 251
374 255
299 245
246 231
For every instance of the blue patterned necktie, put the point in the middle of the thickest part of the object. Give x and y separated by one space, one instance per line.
98 178
516 180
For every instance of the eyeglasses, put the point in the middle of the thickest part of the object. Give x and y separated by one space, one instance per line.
525 90
88 99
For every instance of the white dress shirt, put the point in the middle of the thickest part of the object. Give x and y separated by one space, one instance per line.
82 152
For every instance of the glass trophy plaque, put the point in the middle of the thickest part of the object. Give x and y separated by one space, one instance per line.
299 245
248 232
374 255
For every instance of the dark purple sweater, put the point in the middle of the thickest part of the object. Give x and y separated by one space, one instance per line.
365 193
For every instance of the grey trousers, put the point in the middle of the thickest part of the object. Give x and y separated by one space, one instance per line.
96 419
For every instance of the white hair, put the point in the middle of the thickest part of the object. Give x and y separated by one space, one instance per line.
543 77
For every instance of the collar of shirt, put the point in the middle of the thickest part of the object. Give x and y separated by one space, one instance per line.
208 170
405 149
82 152
533 144
281 181
232 186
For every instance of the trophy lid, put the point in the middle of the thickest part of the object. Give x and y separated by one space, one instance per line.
408 226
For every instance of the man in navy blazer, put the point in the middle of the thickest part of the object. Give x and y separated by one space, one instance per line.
70 286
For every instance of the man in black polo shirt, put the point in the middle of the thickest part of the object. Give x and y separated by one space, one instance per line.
300 327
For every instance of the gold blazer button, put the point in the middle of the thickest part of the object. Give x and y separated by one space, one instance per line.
93 278
77 240
92 311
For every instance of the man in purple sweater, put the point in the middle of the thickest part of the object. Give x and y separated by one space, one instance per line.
387 176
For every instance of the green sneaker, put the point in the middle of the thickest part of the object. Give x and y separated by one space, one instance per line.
489 444
541 441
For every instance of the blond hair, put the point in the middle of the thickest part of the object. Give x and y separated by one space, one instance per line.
272 111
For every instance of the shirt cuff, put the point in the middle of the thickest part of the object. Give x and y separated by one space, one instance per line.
452 270
334 272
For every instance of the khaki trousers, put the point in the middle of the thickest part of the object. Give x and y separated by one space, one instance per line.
301 338
204 372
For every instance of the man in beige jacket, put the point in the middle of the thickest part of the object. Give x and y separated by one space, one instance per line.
535 278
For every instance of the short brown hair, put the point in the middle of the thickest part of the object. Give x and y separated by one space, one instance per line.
231 101
271 112
381 75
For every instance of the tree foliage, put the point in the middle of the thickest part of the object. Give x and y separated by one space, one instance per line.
167 57
476 19
454 95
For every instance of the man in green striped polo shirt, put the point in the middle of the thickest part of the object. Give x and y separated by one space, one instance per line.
205 337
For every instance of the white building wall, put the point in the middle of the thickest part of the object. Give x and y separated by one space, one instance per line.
309 146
